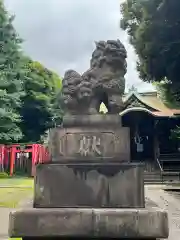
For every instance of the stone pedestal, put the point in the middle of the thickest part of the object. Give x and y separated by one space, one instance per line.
106 185
94 138
89 223
90 189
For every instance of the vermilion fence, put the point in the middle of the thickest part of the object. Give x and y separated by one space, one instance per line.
22 159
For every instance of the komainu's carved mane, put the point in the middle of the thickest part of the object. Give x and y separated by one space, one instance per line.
103 82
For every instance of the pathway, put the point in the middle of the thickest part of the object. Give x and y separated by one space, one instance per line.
4 217
171 203
17 184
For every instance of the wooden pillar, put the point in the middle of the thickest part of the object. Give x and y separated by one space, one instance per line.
33 160
156 141
12 159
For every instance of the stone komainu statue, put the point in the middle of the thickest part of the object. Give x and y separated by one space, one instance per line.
103 82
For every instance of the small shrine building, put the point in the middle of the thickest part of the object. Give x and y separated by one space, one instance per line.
151 123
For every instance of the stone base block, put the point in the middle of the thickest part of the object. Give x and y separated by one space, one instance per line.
90 138
112 223
89 185
61 238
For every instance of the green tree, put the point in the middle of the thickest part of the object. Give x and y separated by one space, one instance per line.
11 76
38 109
154 30
133 88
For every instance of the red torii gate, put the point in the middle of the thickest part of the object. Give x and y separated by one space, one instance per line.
3 158
8 155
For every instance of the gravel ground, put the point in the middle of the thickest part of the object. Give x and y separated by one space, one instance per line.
169 202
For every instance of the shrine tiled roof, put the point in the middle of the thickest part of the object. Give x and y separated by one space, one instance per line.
148 102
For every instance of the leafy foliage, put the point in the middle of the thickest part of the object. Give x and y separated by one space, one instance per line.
11 76
154 30
38 109
132 89
169 93
28 91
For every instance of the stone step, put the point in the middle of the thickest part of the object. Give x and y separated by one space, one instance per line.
152 175
153 183
91 223
157 177
152 178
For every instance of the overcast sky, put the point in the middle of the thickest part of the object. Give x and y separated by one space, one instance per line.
61 33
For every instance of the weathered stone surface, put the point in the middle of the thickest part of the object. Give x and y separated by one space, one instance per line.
117 223
95 120
89 185
82 144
